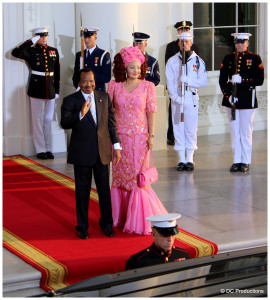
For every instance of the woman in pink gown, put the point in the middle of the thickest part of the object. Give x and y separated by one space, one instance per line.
135 104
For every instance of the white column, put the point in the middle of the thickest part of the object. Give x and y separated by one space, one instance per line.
115 21
16 106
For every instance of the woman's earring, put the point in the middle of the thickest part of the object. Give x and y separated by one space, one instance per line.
126 74
139 76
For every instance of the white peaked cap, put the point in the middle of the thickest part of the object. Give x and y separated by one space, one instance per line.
185 36
241 35
164 221
41 29
91 28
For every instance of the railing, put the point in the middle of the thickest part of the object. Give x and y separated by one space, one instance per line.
234 274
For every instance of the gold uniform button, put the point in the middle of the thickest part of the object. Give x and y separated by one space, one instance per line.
148 250
167 259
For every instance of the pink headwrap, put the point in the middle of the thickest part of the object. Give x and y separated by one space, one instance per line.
131 53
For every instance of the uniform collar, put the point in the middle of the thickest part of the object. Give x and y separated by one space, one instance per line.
243 53
91 50
41 47
160 252
191 55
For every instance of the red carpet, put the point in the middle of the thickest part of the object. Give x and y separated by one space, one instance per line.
39 220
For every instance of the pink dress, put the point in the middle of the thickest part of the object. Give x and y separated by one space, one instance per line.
131 204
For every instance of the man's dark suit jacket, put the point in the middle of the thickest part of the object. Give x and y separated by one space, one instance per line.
88 139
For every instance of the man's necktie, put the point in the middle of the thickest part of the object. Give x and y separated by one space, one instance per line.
92 108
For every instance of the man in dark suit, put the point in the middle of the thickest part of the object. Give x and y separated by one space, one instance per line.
96 59
164 229
90 115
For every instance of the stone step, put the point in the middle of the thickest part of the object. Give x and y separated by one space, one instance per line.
19 278
24 293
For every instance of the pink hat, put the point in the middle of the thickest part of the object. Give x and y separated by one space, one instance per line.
131 53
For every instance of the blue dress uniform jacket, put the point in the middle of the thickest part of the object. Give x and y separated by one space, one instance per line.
250 67
154 256
152 73
41 59
100 62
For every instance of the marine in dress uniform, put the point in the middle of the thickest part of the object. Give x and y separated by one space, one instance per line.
96 59
164 229
171 49
43 87
246 74
152 73
196 77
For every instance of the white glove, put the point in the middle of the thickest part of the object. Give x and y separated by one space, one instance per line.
56 96
235 99
184 78
178 100
35 39
236 78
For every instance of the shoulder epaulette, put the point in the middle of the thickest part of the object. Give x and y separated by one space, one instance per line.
180 249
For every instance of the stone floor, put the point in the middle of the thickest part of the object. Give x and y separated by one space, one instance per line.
229 209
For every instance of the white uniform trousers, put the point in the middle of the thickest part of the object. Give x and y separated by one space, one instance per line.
42 116
185 133
241 134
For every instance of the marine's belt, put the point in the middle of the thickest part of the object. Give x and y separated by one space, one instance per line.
43 73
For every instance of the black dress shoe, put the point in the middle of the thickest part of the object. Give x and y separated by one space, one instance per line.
50 155
108 231
170 142
181 167
42 155
189 166
235 167
244 168
83 235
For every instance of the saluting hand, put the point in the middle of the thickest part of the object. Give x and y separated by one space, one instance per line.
85 108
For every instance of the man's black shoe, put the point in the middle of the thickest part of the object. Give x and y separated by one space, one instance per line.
170 142
42 155
244 168
189 166
235 167
50 155
108 231
83 235
181 167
